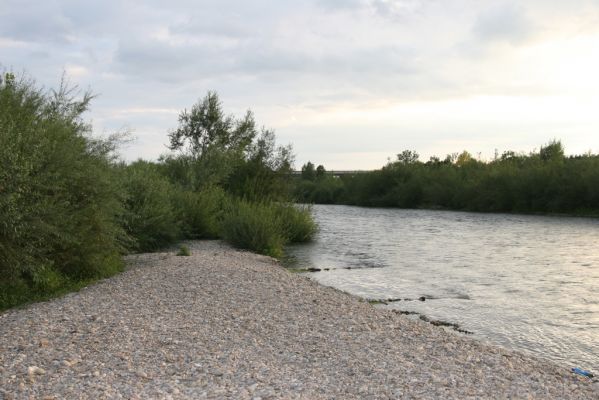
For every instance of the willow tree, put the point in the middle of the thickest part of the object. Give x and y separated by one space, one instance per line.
212 144
222 150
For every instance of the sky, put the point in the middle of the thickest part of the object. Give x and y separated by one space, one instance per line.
348 83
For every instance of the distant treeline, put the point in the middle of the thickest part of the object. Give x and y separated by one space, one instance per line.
69 209
544 181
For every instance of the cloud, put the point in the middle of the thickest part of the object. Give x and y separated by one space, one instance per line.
43 24
506 23
398 9
336 5
307 59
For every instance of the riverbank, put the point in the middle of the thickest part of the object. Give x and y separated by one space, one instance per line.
229 324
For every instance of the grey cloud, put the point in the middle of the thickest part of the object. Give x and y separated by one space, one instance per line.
341 4
399 9
209 27
34 21
176 63
506 23
173 63
316 54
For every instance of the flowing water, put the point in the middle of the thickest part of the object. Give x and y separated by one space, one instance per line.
524 282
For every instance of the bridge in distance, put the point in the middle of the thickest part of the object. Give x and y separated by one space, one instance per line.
335 173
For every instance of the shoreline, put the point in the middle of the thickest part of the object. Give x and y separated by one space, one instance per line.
225 323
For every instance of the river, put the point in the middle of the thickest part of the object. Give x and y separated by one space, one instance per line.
525 282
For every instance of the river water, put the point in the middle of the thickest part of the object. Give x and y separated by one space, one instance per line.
525 282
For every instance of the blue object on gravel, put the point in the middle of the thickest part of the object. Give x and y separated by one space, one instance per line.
582 372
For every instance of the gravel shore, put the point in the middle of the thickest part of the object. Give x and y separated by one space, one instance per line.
229 324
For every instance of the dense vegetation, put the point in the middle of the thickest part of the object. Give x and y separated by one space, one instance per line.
69 209
544 181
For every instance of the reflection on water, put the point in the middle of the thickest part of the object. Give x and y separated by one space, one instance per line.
526 282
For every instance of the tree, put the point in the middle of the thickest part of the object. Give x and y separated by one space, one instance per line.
407 157
320 172
214 144
206 127
308 172
219 150
263 174
464 158
552 151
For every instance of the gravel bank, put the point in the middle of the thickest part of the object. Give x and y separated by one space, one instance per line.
230 324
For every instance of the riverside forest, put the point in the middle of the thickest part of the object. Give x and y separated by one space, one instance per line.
544 181
70 208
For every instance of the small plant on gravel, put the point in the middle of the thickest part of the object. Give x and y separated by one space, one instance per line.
183 251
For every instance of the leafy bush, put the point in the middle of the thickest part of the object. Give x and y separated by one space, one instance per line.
297 222
200 213
59 207
149 216
266 227
254 226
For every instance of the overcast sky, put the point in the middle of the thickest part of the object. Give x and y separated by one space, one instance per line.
348 83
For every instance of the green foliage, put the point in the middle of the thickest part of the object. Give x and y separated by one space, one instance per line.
553 151
200 213
326 190
407 157
308 172
254 226
206 127
297 222
233 181
263 174
220 150
212 144
149 216
183 251
320 172
59 207
266 227
540 182
69 210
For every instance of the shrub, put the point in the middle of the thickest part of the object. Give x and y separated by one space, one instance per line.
59 207
200 213
149 216
254 226
297 222
266 227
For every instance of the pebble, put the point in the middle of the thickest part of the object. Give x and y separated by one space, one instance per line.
229 324
33 370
